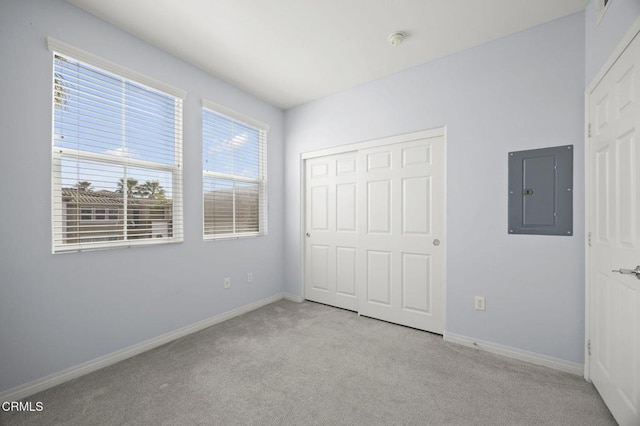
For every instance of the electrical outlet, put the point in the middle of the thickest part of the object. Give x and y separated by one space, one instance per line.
227 282
480 303
250 277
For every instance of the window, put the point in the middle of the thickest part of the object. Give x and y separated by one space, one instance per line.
101 214
117 154
234 170
87 213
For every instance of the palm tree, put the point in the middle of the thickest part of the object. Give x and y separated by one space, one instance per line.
152 190
132 187
83 186
60 91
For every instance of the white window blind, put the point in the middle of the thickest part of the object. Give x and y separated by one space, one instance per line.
116 163
234 173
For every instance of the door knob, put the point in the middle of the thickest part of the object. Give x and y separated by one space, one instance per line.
436 242
308 234
629 271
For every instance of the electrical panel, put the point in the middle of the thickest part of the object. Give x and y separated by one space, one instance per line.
541 191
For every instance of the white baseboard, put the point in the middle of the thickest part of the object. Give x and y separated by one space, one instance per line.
293 297
532 357
38 385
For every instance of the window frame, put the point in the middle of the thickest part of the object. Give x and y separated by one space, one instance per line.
59 226
263 130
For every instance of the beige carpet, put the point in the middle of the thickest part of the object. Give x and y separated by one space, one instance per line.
297 364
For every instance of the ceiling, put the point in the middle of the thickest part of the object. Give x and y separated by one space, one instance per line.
289 52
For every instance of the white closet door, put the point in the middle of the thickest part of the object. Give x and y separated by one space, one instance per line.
401 240
375 231
331 230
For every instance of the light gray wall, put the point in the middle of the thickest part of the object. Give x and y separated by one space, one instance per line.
519 92
601 39
57 311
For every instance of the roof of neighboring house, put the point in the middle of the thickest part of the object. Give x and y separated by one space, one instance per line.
103 197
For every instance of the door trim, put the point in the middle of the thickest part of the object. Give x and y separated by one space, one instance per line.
615 54
390 140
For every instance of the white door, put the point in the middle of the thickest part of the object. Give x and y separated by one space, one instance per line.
614 223
375 231
331 230
401 240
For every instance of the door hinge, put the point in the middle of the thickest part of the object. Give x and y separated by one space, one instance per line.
589 347
589 130
589 238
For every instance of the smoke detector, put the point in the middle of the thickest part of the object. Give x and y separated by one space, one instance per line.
396 39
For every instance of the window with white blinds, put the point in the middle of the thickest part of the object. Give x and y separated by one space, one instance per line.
117 154
234 173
